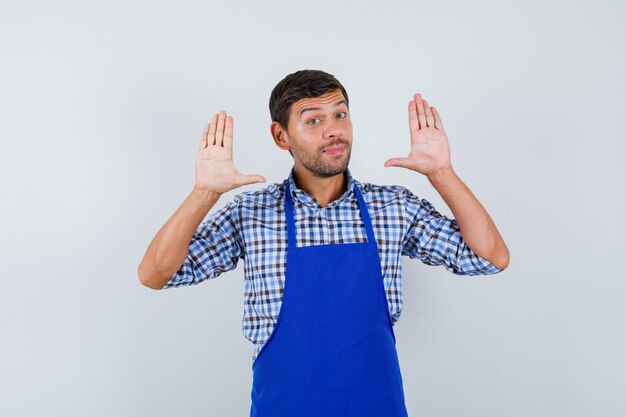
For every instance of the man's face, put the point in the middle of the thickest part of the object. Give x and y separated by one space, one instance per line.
320 134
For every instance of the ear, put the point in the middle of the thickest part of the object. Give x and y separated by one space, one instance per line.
280 136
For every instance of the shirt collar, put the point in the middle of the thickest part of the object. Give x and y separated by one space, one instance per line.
308 199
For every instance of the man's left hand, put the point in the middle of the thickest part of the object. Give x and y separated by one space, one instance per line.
430 151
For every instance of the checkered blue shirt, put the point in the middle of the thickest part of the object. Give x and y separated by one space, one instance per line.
252 227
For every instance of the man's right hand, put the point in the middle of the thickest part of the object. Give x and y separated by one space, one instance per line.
215 170
215 174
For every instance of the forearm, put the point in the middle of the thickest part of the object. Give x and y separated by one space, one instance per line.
475 224
169 248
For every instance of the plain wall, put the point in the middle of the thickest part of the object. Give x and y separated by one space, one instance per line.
101 109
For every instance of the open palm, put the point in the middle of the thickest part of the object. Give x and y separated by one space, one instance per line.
430 151
215 170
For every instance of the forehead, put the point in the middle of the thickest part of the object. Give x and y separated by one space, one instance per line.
329 99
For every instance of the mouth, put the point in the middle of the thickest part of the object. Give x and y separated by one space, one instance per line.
334 150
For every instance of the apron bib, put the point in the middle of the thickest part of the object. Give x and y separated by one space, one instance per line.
332 351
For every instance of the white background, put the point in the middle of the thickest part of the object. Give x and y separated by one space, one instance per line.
101 109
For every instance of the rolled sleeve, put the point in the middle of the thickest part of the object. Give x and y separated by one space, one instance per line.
214 248
436 240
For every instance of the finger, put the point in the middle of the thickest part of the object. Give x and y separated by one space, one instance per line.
228 133
414 124
211 134
399 162
219 133
438 123
203 137
430 120
420 110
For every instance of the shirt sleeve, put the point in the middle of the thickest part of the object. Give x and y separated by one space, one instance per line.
214 248
436 240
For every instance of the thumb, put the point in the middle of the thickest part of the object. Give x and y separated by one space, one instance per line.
399 162
250 179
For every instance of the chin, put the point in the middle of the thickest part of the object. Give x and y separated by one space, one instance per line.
322 168
331 171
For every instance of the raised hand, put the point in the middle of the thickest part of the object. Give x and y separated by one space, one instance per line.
430 151
215 170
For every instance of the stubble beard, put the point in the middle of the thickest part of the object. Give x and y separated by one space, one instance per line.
316 164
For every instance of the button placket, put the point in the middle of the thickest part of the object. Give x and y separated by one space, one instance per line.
322 218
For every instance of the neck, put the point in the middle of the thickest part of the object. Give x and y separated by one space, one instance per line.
323 189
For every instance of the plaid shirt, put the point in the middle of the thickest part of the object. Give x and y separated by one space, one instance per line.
253 227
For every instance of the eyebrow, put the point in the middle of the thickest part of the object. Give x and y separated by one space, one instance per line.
339 103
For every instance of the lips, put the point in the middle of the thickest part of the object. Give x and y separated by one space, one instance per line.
333 150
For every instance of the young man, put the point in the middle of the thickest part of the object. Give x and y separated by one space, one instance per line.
322 251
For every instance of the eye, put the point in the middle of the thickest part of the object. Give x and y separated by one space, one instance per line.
342 115
314 121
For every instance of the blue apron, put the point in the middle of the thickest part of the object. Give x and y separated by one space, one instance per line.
332 352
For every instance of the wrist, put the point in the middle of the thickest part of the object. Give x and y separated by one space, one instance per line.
205 195
441 176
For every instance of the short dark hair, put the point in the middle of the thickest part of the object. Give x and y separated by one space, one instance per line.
298 85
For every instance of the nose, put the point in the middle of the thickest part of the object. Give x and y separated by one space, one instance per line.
333 130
